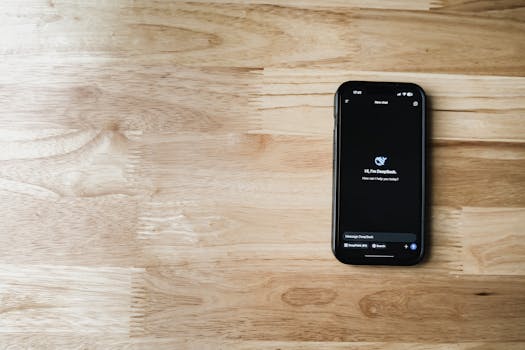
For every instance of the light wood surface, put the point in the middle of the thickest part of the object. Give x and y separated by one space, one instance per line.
165 174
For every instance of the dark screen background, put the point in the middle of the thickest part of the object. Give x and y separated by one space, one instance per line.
368 130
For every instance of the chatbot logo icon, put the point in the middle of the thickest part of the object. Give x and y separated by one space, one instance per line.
380 161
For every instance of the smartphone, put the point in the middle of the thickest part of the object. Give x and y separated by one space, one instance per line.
379 173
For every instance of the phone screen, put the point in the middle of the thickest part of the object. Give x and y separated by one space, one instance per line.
379 173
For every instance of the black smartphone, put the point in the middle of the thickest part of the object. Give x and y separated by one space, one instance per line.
379 173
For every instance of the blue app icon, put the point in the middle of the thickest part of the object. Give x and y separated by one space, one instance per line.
413 246
380 161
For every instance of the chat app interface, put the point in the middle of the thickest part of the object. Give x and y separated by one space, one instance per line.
380 171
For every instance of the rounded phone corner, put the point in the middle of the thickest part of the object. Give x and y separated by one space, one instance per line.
340 258
417 260
419 89
345 85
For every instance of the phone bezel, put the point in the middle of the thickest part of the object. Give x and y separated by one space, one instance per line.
359 258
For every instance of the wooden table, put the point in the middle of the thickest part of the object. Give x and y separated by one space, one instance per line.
166 169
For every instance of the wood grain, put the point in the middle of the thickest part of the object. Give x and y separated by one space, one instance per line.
265 35
329 307
70 299
165 174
